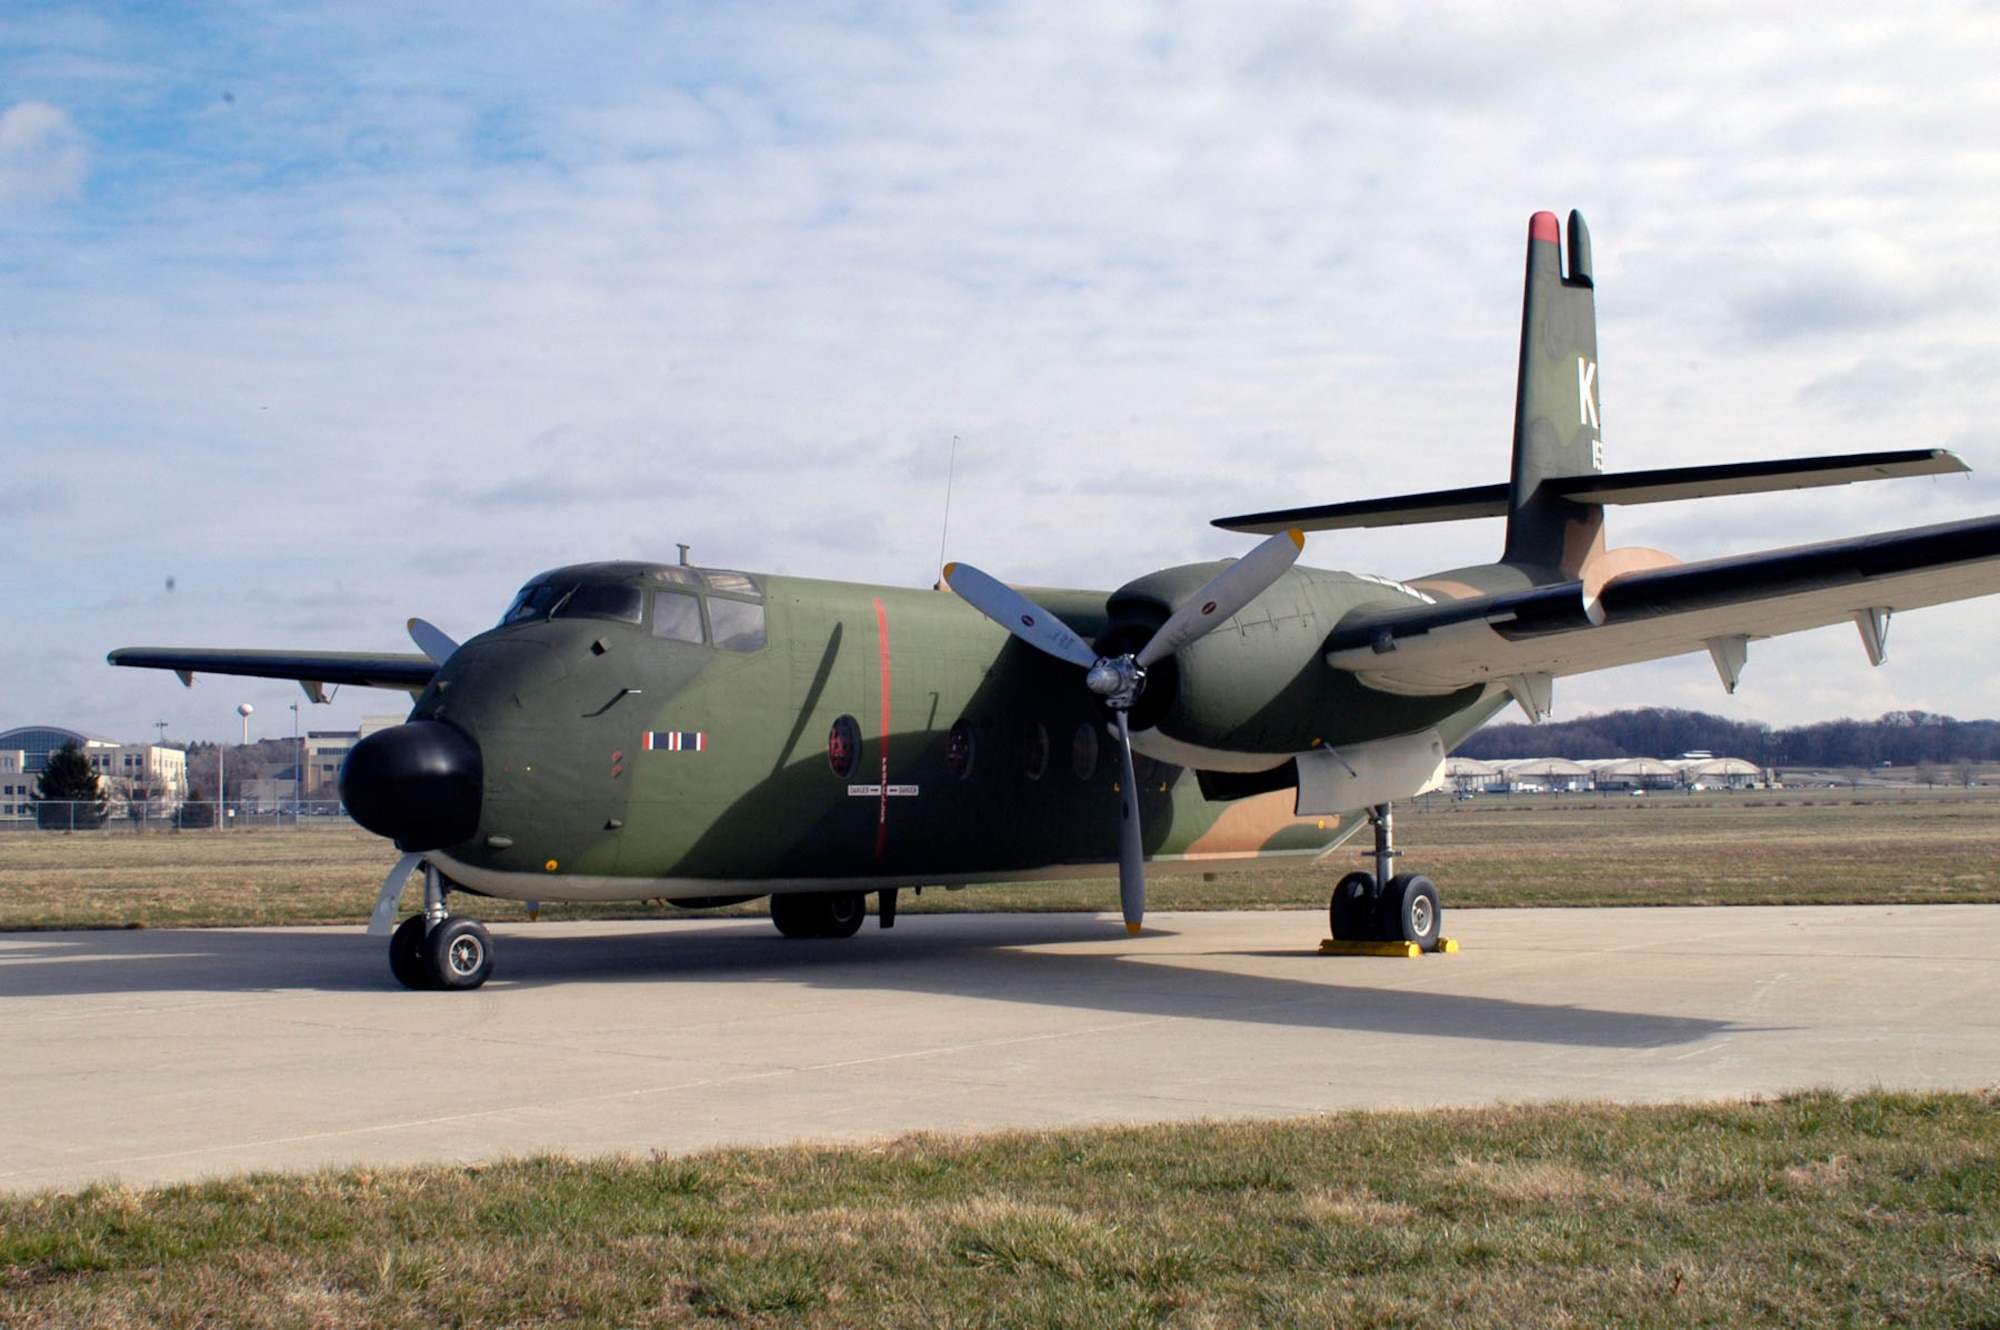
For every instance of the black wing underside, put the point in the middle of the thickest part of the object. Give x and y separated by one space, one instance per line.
313 670
1670 611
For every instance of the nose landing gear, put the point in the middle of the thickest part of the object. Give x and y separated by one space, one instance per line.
433 949
1383 906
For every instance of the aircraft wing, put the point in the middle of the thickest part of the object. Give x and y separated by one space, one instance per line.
1660 485
1718 604
313 670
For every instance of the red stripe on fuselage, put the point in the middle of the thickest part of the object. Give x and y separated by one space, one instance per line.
882 811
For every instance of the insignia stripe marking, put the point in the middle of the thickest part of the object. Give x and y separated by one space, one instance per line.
676 741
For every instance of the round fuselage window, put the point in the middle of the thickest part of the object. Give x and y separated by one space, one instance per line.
1083 751
958 749
843 747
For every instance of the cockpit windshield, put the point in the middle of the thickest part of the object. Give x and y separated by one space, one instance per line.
623 603
534 602
569 599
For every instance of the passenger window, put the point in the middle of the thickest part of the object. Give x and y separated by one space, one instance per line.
676 616
958 749
622 603
1083 751
843 746
1035 749
738 624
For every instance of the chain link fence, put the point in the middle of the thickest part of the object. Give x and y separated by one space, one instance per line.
159 815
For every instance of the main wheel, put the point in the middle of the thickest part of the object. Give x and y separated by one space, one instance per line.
1410 911
1352 913
819 913
406 953
460 952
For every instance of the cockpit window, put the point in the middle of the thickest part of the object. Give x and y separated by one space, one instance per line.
677 573
736 584
738 624
534 602
677 615
623 603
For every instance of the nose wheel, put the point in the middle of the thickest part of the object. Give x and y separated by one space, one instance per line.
1386 906
435 949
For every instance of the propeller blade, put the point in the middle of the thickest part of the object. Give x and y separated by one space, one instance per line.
1017 614
1233 588
1131 852
431 640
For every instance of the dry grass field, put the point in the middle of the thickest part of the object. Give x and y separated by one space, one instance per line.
1814 1210
1793 847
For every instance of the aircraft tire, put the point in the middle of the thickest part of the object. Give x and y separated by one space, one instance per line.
1352 914
1410 911
844 912
793 915
406 954
460 954
819 914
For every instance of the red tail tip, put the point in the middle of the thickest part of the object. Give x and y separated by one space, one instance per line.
1544 226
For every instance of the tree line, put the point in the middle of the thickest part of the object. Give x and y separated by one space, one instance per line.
1900 738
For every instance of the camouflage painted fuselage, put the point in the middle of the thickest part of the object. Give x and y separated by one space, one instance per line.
623 763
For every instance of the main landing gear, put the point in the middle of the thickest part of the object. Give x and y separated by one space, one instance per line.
824 913
1379 907
434 949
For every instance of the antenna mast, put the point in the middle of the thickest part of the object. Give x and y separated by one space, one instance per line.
951 472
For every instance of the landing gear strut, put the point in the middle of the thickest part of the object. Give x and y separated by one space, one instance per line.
434 949
1385 906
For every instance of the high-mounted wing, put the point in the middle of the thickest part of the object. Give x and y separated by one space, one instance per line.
1718 604
312 670
1658 485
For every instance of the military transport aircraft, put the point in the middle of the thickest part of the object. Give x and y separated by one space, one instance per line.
637 730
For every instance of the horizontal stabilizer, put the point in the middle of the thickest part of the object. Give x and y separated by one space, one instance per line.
1652 613
1666 484
1659 485
407 672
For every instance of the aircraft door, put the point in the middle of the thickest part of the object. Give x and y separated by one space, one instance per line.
830 766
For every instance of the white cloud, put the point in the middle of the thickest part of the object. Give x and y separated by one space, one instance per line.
554 289
42 157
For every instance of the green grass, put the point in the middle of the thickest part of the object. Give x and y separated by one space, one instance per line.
1794 847
1812 1210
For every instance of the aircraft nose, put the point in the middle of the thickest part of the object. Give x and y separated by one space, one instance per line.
417 783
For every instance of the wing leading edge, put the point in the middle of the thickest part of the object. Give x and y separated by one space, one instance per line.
311 670
1717 604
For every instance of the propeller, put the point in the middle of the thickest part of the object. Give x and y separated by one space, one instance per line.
1120 679
431 640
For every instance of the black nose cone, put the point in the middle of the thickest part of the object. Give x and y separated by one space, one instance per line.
418 784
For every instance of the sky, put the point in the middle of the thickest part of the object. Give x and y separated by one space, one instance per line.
317 317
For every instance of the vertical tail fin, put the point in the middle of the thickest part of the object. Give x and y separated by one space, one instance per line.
1556 429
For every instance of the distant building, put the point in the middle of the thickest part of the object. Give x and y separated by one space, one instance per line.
152 774
16 787
327 749
1539 775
